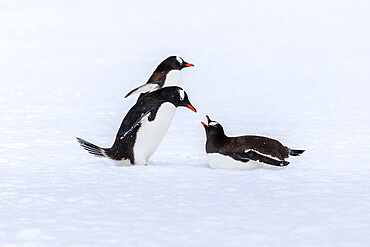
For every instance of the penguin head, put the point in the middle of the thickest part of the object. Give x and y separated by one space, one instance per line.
177 96
173 62
213 128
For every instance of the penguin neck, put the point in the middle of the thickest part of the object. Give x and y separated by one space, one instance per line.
215 141
173 78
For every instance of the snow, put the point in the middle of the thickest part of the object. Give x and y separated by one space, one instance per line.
294 71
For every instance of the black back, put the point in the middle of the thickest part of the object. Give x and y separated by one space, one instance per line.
218 142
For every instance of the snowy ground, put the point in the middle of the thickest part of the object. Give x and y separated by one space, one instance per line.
297 72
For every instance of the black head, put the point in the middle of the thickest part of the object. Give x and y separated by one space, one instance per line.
213 129
175 95
173 62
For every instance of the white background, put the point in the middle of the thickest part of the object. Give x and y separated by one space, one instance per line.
296 71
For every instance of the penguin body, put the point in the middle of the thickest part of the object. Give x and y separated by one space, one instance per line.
167 74
153 132
244 152
220 161
143 127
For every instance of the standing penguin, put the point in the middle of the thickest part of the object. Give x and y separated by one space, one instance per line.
243 152
143 128
167 74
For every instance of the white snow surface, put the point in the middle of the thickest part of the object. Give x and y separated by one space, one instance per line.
296 71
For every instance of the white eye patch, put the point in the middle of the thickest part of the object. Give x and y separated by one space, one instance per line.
179 59
213 123
182 94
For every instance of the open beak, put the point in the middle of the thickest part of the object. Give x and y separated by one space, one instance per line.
208 119
191 108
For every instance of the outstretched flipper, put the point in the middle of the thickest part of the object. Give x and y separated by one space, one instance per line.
147 88
146 114
256 156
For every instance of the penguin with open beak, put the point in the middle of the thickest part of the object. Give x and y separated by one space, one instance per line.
243 152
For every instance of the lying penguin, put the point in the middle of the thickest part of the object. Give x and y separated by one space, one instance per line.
243 152
167 74
143 128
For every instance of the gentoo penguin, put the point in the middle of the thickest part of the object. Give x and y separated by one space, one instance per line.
143 127
243 152
167 74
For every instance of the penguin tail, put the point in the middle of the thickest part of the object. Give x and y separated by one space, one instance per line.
295 152
91 148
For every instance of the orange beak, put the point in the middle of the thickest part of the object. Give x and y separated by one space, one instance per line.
191 108
204 124
189 65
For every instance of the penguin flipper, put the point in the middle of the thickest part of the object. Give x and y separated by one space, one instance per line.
146 88
253 155
137 122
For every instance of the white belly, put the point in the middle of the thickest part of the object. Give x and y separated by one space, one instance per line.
219 161
173 78
151 134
